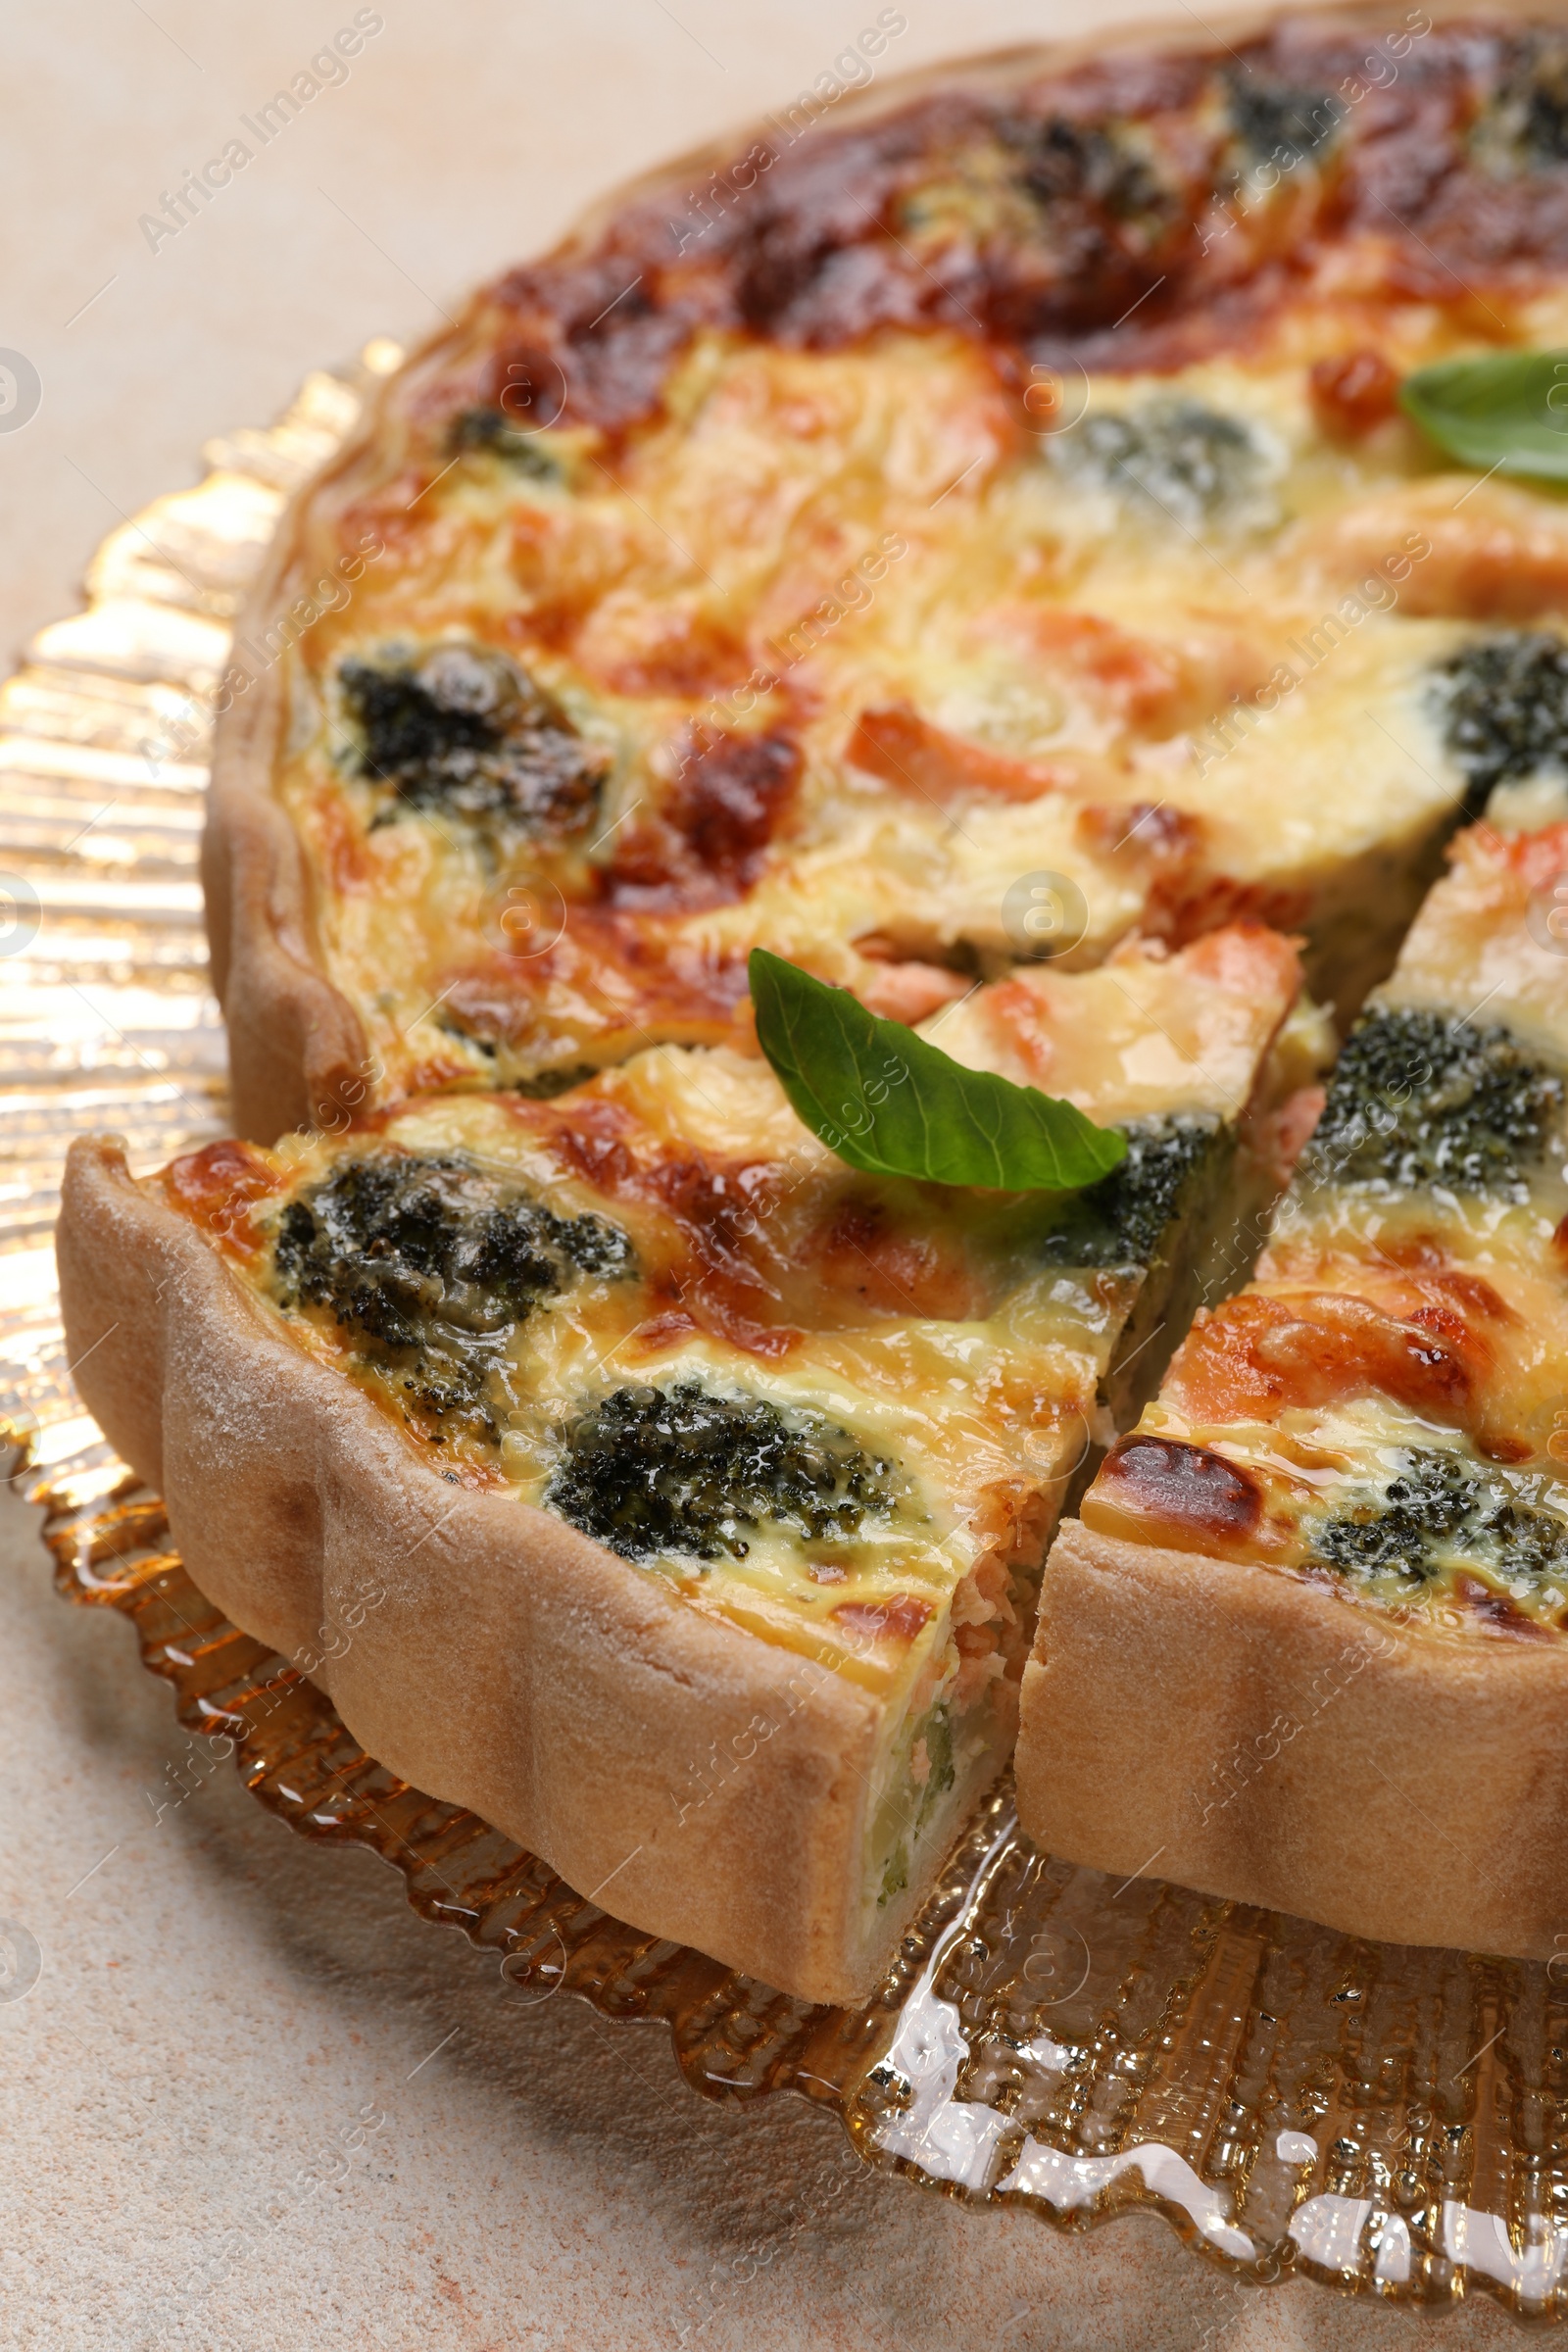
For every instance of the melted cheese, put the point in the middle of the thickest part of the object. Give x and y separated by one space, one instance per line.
982 1412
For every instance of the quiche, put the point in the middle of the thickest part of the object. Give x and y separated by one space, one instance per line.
631 1470
1307 1644
977 525
970 546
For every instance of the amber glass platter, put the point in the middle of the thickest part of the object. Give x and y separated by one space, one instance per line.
1391 2120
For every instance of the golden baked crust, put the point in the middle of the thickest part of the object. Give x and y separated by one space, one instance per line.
1208 1722
297 1050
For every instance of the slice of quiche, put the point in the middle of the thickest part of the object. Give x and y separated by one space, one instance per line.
1016 549
631 1470
1308 1646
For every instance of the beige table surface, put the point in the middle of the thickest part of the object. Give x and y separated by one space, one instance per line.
218 2003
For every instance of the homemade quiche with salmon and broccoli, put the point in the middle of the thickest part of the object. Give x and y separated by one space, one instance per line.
793 820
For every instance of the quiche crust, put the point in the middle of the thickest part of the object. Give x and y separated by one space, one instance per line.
1215 1723
297 1050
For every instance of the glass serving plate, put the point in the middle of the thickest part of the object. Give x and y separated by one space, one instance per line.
1392 2121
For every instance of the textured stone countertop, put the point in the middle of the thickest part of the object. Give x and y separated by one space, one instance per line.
218 2004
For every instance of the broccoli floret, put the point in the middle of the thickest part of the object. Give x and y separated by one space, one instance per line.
1444 1509
1078 162
681 1470
1276 123
1190 462
1432 1502
430 1265
463 733
1120 1221
1504 707
1416 1100
543 1085
490 432
1525 121
1540 91
941 1768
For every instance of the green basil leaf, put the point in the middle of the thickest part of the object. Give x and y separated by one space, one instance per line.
886 1101
1506 410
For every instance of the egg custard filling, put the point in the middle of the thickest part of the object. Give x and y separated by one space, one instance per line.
840 1412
